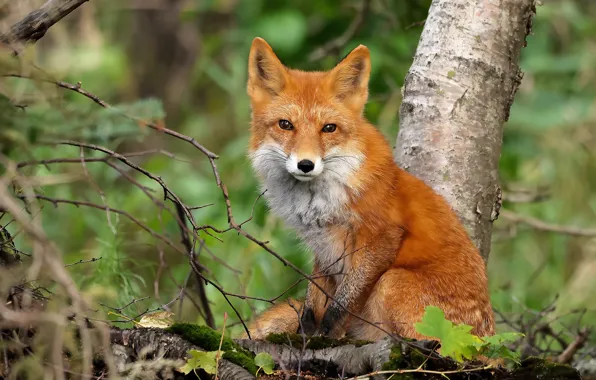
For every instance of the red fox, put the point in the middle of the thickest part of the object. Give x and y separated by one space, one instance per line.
385 244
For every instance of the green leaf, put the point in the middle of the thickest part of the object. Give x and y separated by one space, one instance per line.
493 347
456 340
500 352
188 367
503 337
264 361
204 360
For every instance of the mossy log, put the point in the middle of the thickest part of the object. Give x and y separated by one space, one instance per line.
322 358
133 344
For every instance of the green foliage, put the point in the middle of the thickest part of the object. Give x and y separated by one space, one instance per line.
494 346
207 361
548 143
396 360
202 336
209 340
201 359
265 362
459 343
456 340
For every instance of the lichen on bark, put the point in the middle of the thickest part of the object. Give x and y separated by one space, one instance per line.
456 98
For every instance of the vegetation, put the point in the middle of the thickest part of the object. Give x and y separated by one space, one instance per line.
187 72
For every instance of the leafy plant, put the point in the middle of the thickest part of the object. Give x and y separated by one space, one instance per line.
205 360
265 362
459 343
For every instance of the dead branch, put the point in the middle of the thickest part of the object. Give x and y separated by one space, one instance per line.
580 340
549 227
143 343
348 360
35 25
206 309
545 334
334 361
334 46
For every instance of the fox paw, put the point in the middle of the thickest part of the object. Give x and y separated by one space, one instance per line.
308 325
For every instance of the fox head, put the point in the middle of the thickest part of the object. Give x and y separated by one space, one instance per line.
306 125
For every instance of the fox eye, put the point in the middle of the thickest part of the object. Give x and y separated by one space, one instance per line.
286 125
328 128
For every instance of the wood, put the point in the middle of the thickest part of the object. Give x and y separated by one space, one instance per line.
129 345
456 98
35 25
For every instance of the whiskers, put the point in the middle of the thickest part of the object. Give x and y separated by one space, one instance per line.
272 160
268 156
350 160
270 153
342 165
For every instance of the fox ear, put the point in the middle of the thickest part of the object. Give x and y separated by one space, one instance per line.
349 79
266 73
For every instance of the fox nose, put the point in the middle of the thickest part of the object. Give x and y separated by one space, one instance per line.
306 166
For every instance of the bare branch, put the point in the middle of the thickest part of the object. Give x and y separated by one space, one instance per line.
91 260
35 25
334 46
579 341
544 226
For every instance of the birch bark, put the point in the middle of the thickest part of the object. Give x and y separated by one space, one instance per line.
456 98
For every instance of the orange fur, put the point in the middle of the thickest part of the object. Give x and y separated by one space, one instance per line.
404 248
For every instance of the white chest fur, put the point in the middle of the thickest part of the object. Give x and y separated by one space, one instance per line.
311 208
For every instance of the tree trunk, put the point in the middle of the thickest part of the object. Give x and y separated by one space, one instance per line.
456 98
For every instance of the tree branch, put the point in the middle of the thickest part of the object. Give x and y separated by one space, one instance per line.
334 46
35 25
141 343
334 361
544 226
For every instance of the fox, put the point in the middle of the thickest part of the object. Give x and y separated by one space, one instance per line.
385 244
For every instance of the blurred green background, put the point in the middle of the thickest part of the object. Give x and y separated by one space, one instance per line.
186 60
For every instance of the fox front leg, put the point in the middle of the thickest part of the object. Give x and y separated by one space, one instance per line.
308 323
358 283
316 301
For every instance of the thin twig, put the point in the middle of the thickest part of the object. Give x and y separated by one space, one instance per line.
544 226
209 319
91 260
218 356
420 370
334 46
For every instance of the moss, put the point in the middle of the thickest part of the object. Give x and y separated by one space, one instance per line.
202 336
245 361
208 339
417 358
536 368
314 342
396 360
